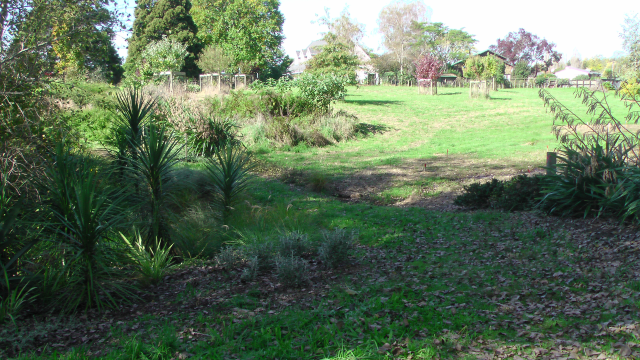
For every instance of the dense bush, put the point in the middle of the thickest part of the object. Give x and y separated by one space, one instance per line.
542 79
582 77
597 172
517 194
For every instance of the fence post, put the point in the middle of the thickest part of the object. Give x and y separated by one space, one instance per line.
551 163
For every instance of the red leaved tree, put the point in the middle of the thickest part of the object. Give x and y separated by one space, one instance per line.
430 68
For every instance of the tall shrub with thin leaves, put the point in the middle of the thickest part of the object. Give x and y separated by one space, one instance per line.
230 174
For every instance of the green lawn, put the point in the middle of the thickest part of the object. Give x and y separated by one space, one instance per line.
445 141
422 284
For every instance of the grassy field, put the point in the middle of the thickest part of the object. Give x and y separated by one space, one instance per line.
427 145
422 284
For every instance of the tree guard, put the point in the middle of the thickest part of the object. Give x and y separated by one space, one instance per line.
427 86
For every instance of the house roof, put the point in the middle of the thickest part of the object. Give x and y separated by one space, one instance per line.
485 53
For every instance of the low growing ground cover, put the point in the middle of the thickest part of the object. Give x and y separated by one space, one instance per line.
421 285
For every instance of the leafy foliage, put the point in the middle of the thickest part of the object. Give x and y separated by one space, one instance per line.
336 247
155 20
335 58
519 193
429 67
527 47
250 31
521 70
322 90
484 68
164 55
214 59
395 24
292 271
447 45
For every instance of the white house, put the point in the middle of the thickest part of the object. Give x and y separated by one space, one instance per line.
302 56
570 73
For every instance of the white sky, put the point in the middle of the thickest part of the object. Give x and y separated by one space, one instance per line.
587 28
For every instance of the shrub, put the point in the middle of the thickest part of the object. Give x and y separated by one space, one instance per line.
597 166
251 271
264 253
521 70
517 194
563 82
153 262
230 175
207 134
229 257
321 90
630 88
478 195
293 243
542 79
292 271
336 247
582 77
608 86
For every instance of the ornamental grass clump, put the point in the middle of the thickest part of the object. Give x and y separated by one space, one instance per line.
152 262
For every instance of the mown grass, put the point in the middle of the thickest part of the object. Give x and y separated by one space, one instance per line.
512 126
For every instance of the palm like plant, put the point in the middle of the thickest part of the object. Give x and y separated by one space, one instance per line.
230 174
157 156
85 231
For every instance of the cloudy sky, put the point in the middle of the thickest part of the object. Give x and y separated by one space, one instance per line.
574 26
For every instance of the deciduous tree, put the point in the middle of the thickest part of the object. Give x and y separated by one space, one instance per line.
335 58
525 46
448 45
395 25
250 31
346 29
631 41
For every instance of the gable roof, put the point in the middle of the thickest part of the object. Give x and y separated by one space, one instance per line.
485 53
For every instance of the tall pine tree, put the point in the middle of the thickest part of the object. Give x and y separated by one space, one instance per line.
157 18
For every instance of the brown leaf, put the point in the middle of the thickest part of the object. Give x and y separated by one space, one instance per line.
384 348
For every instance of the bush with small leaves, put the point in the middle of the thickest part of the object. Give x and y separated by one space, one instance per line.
293 243
336 247
265 252
229 257
292 271
251 271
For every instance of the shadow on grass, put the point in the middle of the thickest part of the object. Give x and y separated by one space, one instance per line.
373 102
371 129
453 93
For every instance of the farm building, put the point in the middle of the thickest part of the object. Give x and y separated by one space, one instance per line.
508 67
570 73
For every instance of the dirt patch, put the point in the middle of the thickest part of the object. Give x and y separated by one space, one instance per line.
436 181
